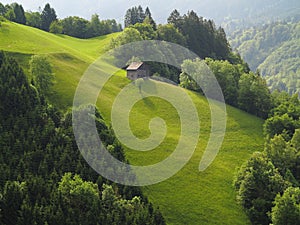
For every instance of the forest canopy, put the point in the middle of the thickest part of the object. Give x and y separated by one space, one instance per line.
274 50
43 177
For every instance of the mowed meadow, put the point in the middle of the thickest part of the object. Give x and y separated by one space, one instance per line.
190 196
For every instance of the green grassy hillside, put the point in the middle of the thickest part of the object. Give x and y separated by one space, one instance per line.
69 56
190 197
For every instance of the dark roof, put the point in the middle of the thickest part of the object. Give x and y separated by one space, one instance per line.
134 66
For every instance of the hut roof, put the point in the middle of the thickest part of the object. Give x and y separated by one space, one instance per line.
135 65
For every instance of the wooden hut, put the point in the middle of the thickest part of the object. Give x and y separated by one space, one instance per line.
137 70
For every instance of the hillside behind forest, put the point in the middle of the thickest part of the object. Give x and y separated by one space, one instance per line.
274 50
190 197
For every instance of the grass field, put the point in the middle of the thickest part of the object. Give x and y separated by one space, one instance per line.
189 197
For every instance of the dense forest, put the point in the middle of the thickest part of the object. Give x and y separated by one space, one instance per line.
273 49
268 184
43 177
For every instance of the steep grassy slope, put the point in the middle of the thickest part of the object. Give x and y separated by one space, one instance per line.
190 197
24 39
193 197
69 56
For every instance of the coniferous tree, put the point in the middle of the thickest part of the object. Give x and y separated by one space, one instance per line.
140 14
134 15
19 13
149 19
48 16
201 35
128 18
11 202
37 148
2 9
222 47
175 18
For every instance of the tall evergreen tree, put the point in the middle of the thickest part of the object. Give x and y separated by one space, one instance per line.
48 16
11 202
95 26
222 47
140 14
201 35
175 18
149 19
147 12
134 15
19 13
2 9
128 18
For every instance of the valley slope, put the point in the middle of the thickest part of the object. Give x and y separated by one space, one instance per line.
274 50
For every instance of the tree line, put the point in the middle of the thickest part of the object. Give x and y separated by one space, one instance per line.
43 177
47 20
241 87
198 34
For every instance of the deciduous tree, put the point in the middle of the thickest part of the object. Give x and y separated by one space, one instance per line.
287 208
33 19
257 183
253 95
56 27
169 33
